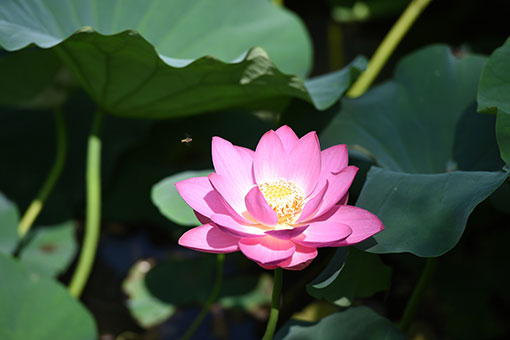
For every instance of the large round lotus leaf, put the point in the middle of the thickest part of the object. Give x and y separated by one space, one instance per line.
39 308
180 30
493 95
420 127
423 214
409 122
159 59
352 324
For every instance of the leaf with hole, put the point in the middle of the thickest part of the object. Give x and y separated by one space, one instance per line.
50 249
145 308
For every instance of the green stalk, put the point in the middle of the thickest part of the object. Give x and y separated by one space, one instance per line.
417 296
37 204
220 260
93 210
387 47
275 305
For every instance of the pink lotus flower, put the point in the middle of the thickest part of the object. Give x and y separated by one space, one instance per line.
276 204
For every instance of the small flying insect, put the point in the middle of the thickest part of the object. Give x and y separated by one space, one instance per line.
187 140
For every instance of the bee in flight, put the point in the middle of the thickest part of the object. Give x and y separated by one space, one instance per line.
187 140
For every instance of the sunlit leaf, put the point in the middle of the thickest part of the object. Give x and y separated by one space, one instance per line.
50 250
134 61
180 30
352 324
170 203
38 308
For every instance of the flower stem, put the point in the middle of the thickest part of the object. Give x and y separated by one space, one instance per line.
37 204
387 47
93 210
275 304
220 260
417 296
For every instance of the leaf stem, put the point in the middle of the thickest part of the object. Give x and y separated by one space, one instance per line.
37 204
220 260
387 47
275 304
93 210
417 296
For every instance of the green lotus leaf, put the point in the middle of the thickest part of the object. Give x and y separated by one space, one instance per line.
145 308
493 95
50 249
156 59
420 127
353 324
34 307
424 214
362 275
170 203
9 219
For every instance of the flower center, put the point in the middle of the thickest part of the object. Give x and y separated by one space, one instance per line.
285 198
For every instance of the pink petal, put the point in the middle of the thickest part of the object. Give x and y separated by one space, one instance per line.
231 226
209 239
286 234
230 193
269 159
259 208
334 159
313 204
288 137
304 163
231 162
266 250
246 154
338 186
301 258
343 200
323 234
203 219
200 195
362 222
270 267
